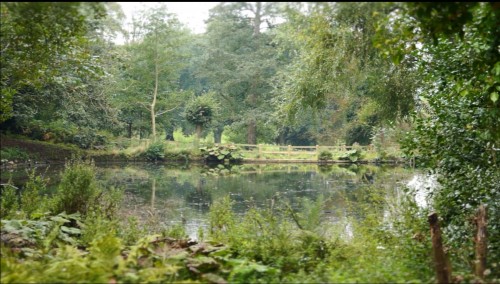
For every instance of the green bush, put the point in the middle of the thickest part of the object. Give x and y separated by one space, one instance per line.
79 192
176 155
325 156
63 132
9 201
78 189
155 152
33 199
14 153
88 139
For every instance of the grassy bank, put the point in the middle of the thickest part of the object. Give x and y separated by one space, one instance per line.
20 150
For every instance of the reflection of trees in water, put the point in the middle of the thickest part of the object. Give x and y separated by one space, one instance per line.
199 198
188 191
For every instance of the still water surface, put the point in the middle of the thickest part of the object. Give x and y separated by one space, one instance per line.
165 195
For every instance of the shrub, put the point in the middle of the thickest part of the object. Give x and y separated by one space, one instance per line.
79 192
78 188
155 152
88 139
32 196
9 201
14 154
325 156
177 155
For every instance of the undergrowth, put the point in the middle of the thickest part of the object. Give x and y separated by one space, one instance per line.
51 238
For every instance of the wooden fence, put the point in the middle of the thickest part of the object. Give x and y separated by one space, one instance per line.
260 150
294 150
442 264
277 151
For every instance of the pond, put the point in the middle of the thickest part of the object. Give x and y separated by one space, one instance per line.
165 195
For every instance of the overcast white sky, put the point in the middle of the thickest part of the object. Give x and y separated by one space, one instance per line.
193 14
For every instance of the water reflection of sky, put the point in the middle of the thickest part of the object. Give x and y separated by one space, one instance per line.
422 185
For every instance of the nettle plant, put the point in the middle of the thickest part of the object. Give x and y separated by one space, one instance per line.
221 154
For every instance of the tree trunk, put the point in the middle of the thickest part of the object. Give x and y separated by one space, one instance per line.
197 136
153 195
169 136
257 19
280 140
481 241
129 130
153 105
251 132
443 271
252 98
155 94
218 134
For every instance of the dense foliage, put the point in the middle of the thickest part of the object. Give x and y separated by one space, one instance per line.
426 75
456 132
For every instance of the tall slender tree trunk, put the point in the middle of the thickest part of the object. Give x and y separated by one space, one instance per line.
218 134
129 130
252 131
252 98
257 19
280 140
153 195
153 104
251 123
197 136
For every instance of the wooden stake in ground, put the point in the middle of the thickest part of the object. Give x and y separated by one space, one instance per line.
481 241
440 263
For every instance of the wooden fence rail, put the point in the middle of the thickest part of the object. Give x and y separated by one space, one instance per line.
261 149
298 150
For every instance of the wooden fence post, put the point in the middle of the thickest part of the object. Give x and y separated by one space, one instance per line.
317 150
481 241
260 150
440 263
289 151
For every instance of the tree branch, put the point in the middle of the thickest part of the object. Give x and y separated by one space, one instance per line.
168 110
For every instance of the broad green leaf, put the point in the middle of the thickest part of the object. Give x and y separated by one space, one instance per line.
494 97
70 230
497 69
59 219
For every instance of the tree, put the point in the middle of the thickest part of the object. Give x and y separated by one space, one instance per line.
153 68
335 68
45 45
240 60
456 133
200 111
